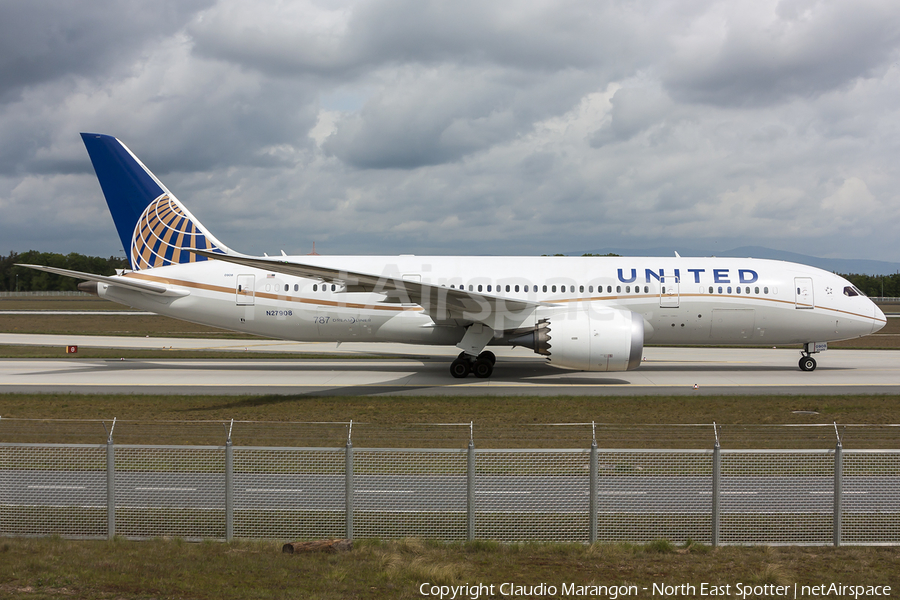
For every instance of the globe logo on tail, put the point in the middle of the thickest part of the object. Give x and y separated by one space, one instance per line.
163 235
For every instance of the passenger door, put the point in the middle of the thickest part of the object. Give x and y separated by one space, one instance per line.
803 287
245 292
668 291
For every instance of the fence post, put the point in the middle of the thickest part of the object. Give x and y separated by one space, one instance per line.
593 483
838 486
111 483
470 486
229 486
348 485
716 487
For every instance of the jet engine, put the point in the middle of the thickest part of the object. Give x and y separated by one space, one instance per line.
593 339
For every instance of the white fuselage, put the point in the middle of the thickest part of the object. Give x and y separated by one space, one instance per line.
683 301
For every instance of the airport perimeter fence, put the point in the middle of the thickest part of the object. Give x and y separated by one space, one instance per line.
294 481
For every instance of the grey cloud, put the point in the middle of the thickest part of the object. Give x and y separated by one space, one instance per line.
749 57
66 217
209 131
533 36
41 40
429 116
447 80
180 114
351 39
634 109
425 120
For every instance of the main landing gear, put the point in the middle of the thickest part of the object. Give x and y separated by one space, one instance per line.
481 366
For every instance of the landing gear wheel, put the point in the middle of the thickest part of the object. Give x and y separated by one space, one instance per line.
488 356
460 368
482 368
807 363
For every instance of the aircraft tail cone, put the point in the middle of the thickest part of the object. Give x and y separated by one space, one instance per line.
89 286
526 340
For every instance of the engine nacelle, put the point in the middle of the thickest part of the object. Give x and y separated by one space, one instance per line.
596 339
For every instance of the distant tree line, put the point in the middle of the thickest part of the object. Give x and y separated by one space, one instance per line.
876 285
30 280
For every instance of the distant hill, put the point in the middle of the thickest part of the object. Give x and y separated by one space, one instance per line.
837 265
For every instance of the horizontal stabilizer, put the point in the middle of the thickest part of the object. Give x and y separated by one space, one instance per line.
118 280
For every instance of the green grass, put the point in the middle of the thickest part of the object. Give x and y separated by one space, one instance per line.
105 324
111 324
499 422
170 353
493 411
59 303
55 568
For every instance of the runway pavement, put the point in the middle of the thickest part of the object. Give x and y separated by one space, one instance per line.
437 493
362 369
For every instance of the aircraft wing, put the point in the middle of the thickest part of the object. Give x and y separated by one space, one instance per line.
440 302
118 280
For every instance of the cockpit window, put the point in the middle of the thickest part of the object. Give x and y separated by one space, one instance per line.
852 290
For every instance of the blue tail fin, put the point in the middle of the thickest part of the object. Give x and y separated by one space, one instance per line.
155 228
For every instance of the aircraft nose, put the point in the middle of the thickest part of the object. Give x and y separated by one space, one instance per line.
880 320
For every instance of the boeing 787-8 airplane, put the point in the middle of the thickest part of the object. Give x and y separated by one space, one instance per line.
584 313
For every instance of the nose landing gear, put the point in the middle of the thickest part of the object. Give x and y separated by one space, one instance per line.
807 363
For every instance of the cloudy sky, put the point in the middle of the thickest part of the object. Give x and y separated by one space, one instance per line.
464 127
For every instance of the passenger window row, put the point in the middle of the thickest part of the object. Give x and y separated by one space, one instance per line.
609 289
737 290
324 287
553 289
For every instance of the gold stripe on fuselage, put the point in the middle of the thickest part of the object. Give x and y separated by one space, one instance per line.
270 296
